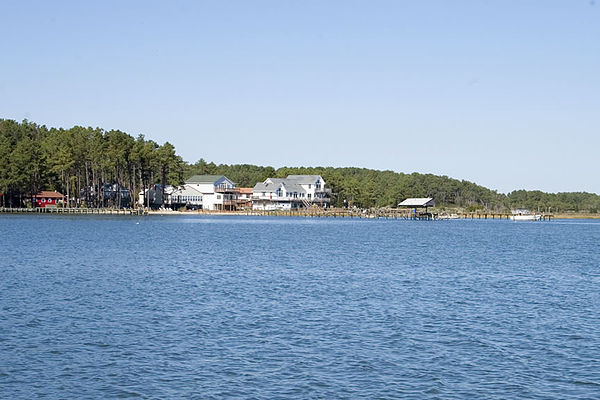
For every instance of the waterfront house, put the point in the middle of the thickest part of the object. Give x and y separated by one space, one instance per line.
218 191
47 198
293 192
314 187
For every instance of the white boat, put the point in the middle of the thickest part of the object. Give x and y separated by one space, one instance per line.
447 216
526 217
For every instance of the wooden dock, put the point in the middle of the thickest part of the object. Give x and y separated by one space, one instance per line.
371 214
484 215
73 211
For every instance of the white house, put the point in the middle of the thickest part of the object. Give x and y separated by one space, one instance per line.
218 192
313 185
293 192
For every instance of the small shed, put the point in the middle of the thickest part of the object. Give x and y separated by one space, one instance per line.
421 202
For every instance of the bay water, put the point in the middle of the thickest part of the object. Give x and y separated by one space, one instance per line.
282 307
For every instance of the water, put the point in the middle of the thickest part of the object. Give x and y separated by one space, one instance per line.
259 307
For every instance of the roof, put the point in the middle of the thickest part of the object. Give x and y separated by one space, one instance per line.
266 186
49 194
304 179
272 184
186 191
418 202
204 178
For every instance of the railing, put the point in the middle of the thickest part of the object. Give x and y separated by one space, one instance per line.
220 189
294 199
279 198
323 190
61 210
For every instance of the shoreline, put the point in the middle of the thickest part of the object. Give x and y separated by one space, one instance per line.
331 213
341 214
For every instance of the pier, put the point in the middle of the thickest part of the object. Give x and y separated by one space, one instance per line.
486 215
372 214
73 211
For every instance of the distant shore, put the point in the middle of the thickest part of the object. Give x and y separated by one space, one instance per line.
306 212
576 216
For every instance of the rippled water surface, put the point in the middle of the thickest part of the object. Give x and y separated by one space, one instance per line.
259 307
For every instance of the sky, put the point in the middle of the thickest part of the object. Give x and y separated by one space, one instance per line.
502 93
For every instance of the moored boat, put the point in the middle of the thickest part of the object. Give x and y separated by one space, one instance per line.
526 217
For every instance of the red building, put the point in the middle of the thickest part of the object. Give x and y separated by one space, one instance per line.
46 198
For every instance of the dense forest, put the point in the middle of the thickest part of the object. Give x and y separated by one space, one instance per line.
91 166
98 168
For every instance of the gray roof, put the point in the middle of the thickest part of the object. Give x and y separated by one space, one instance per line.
293 187
275 183
264 187
186 191
204 178
304 179
418 202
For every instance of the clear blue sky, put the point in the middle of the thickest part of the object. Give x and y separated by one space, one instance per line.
502 93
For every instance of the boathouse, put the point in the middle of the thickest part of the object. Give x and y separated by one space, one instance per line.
46 198
416 203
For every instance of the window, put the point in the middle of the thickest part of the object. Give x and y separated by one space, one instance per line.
218 197
309 185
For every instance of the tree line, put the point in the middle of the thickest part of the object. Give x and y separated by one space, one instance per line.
90 166
98 168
